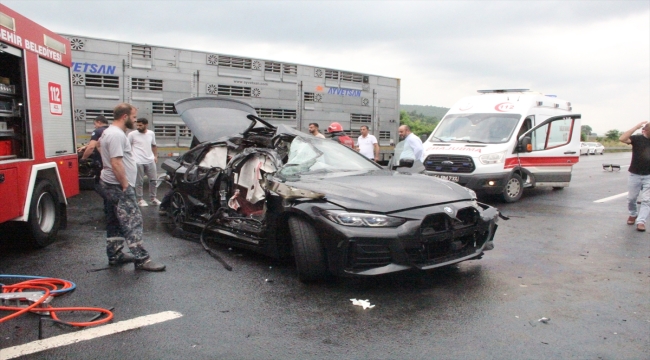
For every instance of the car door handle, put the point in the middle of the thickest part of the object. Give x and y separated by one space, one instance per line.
570 152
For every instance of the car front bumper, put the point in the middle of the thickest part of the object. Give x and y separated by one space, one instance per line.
434 240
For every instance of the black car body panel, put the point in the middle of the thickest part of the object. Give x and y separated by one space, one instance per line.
364 219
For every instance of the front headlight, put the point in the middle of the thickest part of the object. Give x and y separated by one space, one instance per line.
494 158
361 219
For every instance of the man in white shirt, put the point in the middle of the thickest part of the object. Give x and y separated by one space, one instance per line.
413 148
313 130
145 153
367 144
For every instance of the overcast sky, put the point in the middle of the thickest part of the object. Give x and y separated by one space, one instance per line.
595 54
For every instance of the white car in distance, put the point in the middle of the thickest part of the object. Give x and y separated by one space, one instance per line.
596 148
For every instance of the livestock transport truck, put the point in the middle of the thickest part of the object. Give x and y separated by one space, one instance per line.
38 162
105 72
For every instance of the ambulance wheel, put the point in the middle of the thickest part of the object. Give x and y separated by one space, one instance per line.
44 215
513 190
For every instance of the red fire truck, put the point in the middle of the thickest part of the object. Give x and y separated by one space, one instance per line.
38 161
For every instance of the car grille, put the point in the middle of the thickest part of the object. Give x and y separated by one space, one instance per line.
442 238
450 164
367 256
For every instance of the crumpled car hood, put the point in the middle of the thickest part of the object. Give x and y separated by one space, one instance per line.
210 118
381 191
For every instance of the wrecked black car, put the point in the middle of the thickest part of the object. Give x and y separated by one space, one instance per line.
284 193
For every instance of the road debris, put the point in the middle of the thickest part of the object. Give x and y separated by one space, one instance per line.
363 303
544 320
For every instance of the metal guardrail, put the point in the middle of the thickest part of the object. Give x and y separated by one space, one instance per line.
618 149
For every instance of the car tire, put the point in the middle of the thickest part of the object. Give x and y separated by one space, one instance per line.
177 210
558 187
44 215
513 190
307 250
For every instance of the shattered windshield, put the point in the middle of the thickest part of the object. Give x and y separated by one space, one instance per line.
322 155
477 128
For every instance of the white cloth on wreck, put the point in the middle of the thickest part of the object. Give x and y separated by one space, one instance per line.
250 176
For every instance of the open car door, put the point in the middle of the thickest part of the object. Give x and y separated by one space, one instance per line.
549 150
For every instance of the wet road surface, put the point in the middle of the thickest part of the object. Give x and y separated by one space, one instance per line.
561 256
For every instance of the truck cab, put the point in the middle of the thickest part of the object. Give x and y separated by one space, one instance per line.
504 140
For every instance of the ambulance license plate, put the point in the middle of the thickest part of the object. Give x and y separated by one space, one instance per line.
448 177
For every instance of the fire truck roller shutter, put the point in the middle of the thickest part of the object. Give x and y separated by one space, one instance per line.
56 108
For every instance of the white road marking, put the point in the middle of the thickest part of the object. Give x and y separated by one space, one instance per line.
611 198
88 334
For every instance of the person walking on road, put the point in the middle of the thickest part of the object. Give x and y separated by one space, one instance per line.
638 184
313 130
413 148
117 180
367 144
145 153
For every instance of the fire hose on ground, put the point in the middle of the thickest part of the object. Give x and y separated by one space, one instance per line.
39 291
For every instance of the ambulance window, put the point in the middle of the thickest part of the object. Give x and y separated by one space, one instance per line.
527 125
552 135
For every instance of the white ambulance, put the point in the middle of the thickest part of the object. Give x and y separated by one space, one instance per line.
505 140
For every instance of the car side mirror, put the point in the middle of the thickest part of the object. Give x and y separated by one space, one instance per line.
406 163
525 145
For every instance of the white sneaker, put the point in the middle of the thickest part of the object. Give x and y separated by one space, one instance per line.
155 202
142 203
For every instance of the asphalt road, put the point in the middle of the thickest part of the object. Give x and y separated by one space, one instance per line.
560 256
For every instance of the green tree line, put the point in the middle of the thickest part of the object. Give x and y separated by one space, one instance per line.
420 124
585 131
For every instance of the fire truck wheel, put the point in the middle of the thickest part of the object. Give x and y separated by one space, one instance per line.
513 190
44 217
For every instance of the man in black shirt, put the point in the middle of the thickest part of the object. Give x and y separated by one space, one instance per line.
91 150
639 180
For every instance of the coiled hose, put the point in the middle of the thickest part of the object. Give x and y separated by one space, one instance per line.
49 287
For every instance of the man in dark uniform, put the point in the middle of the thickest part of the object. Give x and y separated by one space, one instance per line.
639 180
336 133
91 151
